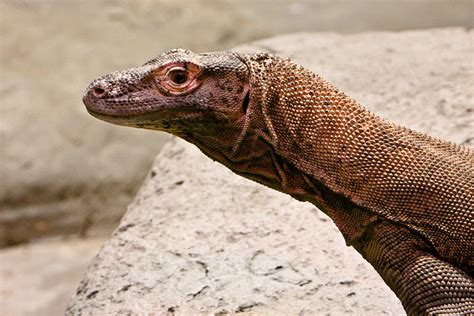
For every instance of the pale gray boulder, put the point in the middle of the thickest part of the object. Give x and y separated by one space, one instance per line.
198 238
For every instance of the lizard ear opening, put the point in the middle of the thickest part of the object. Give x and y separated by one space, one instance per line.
245 103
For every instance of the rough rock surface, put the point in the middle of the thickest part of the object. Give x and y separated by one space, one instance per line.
199 239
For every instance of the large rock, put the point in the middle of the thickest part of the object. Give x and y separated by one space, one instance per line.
199 239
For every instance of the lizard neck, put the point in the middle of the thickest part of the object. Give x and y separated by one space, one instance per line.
258 147
302 136
326 148
257 159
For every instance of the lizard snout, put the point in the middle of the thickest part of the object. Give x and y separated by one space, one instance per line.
96 90
99 94
112 94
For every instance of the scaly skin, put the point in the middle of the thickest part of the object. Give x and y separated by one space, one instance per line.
400 198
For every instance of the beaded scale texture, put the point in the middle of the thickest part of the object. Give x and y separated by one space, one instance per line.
403 199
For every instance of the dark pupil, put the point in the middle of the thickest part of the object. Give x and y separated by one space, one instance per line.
179 77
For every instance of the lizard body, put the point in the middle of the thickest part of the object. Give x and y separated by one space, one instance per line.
400 198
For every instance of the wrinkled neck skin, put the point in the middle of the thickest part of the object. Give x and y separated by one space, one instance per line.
253 150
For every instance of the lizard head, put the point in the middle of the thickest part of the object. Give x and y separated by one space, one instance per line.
180 92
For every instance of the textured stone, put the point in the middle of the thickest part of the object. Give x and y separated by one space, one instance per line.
199 239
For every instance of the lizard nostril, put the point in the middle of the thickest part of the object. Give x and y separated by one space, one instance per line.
99 92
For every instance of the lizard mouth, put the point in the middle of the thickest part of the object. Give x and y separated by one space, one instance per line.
165 119
152 117
127 120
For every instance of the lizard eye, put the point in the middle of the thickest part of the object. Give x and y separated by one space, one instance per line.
180 78
177 75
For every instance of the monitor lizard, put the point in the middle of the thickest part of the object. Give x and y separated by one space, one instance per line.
402 199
